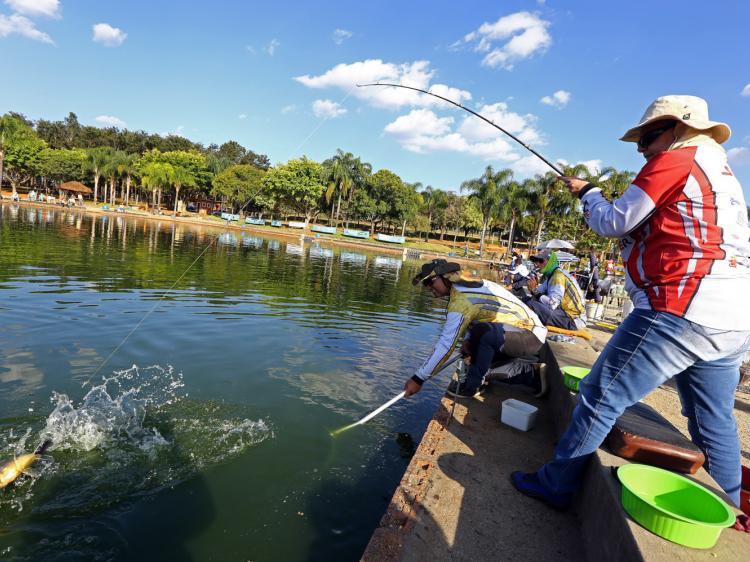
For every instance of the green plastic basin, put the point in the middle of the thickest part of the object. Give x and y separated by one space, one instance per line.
572 376
672 506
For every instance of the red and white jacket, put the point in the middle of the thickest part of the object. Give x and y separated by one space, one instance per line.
684 233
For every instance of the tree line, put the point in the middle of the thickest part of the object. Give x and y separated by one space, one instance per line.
136 167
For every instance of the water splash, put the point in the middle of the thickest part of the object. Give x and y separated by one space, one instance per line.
135 433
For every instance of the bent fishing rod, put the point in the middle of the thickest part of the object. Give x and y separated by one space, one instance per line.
482 117
395 399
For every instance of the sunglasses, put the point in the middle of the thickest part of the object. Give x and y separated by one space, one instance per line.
428 282
649 137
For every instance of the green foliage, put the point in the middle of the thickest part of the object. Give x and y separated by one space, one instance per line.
20 150
62 165
243 183
299 184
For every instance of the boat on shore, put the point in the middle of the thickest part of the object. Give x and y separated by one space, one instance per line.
389 238
354 233
259 222
324 229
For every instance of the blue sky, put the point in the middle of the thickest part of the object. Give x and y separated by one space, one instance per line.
569 77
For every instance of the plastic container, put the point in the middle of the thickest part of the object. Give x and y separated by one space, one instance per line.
745 491
572 376
518 414
672 506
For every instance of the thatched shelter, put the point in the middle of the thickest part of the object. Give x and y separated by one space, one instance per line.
76 186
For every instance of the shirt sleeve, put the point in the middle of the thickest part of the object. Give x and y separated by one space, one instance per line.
663 176
555 292
453 329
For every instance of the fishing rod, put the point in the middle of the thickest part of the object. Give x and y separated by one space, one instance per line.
482 117
393 400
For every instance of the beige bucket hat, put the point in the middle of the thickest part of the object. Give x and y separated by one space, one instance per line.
690 110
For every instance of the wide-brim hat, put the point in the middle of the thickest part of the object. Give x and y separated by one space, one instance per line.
544 255
689 110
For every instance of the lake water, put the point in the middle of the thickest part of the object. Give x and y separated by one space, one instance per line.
206 434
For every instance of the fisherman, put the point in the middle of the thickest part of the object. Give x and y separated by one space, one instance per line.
516 331
558 300
683 232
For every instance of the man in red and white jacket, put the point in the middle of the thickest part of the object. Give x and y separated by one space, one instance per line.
683 230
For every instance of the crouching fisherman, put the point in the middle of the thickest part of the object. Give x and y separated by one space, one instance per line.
515 330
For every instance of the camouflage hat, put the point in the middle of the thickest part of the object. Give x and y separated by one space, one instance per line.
435 268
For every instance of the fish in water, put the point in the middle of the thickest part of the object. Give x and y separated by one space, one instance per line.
13 468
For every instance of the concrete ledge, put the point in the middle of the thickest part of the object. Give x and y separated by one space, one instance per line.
608 532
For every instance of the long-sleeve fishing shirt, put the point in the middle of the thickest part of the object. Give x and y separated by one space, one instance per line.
684 233
560 289
488 303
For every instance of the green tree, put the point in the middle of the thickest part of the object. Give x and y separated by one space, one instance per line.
240 184
515 198
20 146
95 162
181 177
299 184
486 191
62 165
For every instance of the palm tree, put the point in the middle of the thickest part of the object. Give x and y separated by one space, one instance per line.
96 159
127 168
345 172
487 190
515 197
110 172
180 177
155 176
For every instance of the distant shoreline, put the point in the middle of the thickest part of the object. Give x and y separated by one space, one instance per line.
283 232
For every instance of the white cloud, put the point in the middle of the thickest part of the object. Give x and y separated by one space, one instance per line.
327 109
242 116
20 25
522 126
341 35
559 99
739 156
417 74
291 108
108 36
272 46
745 91
593 166
34 8
422 131
111 121
250 49
510 39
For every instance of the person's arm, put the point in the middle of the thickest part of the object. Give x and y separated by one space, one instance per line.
659 179
555 291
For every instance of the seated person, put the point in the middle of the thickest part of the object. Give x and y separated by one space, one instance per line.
558 300
473 300
493 351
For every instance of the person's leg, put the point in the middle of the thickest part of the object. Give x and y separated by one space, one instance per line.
707 394
485 341
557 317
514 363
646 350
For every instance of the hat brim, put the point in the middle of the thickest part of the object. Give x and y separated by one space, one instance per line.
719 131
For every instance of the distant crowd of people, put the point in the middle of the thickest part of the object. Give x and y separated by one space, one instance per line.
39 197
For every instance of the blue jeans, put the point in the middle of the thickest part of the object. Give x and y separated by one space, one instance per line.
648 349
509 353
549 317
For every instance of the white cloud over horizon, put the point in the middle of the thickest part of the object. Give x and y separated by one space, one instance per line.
510 39
745 91
16 24
341 35
559 99
288 109
111 121
34 8
327 109
108 35
423 132
417 74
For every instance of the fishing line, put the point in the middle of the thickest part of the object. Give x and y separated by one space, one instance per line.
211 243
482 117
